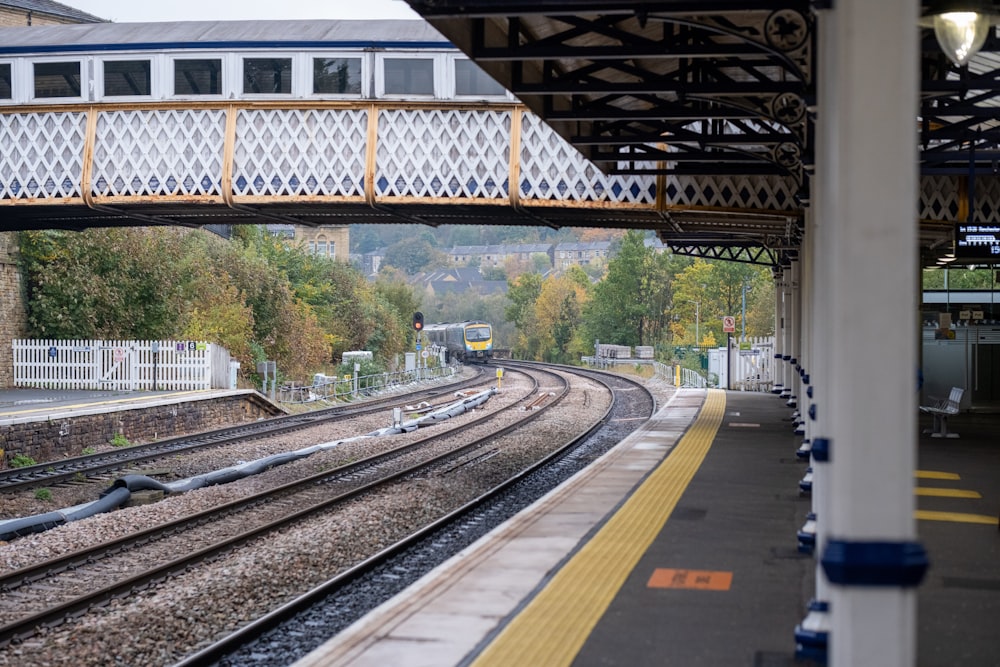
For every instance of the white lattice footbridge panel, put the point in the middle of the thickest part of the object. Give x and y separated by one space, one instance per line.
159 153
41 155
439 154
300 153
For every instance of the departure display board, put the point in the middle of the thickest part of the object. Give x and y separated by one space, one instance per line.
977 240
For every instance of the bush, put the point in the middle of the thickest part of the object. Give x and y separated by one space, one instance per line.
119 440
43 494
22 461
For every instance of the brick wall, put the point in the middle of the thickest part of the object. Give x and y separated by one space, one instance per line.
13 318
13 17
60 438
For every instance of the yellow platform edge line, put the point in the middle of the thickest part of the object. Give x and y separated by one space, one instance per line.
554 626
956 517
945 493
934 474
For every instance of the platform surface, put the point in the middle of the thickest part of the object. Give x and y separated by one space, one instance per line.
673 551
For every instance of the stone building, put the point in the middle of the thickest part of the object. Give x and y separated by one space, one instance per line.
331 241
15 13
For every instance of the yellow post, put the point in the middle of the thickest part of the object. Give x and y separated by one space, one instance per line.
677 379
499 377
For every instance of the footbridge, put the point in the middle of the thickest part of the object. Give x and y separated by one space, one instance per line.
200 123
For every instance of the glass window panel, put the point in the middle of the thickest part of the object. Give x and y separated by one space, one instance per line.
333 248
337 76
321 248
267 75
6 86
409 76
198 77
471 80
57 79
127 77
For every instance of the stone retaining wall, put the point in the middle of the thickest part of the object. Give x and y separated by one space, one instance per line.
60 438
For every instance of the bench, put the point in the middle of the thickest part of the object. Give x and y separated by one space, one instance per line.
941 409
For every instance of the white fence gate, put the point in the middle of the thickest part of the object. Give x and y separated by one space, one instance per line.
752 364
128 365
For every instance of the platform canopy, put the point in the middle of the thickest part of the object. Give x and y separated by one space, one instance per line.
722 92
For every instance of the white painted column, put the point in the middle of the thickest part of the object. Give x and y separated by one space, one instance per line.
871 556
786 332
796 338
779 330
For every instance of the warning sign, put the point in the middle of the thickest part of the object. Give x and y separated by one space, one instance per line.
704 580
728 324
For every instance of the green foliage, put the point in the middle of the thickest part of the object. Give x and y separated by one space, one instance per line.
88 450
22 461
959 278
415 255
119 440
629 306
705 291
257 296
43 494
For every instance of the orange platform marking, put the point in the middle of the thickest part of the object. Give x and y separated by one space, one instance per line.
703 580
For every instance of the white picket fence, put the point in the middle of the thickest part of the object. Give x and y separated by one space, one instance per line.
127 365
753 366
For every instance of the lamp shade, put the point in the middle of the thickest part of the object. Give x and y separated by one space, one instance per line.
961 34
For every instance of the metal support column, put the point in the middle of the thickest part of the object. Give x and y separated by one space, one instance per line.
872 558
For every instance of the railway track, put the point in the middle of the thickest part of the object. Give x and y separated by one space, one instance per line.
104 463
291 631
47 593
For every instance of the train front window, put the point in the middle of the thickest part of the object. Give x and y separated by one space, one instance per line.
476 334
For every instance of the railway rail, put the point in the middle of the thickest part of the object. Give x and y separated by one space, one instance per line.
289 632
102 463
240 521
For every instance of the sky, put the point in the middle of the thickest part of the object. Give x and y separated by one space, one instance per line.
217 10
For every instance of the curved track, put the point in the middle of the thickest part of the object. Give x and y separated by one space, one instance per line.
291 631
109 570
92 465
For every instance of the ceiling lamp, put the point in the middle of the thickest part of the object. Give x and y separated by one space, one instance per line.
961 27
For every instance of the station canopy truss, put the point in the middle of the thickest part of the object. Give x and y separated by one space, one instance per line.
722 94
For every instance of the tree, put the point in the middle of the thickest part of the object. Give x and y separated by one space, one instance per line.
415 255
558 316
629 306
522 293
712 289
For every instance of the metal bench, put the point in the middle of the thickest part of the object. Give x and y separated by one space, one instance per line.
941 410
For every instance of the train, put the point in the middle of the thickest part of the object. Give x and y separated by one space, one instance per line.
465 341
221 61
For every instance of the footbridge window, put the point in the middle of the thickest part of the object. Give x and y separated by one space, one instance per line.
408 76
57 79
472 81
127 78
267 75
198 77
6 85
337 76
